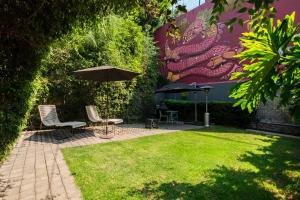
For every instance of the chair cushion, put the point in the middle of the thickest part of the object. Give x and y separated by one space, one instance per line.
114 121
71 124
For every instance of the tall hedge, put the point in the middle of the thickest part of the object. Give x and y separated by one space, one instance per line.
115 41
27 28
221 113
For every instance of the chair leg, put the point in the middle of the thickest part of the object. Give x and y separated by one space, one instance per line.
113 129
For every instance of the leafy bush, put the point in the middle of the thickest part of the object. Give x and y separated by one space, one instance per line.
27 32
221 113
19 86
271 64
112 41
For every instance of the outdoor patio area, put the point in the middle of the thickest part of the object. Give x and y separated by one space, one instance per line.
36 168
150 100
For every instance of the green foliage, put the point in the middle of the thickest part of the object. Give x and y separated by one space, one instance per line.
19 86
271 63
27 30
159 12
259 11
221 113
112 41
37 23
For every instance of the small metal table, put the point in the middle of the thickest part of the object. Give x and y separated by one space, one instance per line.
172 116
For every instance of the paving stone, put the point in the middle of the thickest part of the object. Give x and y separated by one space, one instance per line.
44 195
13 192
27 196
36 168
11 197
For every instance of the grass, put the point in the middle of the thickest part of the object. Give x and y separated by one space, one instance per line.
214 163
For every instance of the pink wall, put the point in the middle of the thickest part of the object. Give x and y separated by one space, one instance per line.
204 53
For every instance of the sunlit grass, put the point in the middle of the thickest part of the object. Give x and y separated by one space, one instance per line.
214 163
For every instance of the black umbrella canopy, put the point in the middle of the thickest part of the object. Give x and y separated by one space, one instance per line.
105 74
178 88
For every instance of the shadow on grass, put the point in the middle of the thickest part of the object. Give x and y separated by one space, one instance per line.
222 129
275 177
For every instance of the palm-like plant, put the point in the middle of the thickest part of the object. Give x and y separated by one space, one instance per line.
271 65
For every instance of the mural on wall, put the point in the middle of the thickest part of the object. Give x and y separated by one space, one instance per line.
203 54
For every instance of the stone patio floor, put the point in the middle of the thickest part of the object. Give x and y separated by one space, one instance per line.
36 169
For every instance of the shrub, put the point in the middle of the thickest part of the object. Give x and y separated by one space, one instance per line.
112 41
27 30
221 113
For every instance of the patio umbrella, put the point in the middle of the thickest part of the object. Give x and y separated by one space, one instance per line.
178 88
105 74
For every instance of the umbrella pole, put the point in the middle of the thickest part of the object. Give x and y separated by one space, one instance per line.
106 125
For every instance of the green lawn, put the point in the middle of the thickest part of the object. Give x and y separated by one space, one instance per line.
215 163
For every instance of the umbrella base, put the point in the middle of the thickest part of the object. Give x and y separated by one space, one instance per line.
107 132
106 136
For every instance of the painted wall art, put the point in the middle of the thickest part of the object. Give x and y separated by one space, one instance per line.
204 53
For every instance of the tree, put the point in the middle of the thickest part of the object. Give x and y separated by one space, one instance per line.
270 57
271 62
258 10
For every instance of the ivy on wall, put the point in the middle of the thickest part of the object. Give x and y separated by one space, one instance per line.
112 41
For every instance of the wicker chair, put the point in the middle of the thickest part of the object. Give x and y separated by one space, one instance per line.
49 118
94 117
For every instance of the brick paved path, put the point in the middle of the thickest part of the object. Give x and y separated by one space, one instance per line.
36 168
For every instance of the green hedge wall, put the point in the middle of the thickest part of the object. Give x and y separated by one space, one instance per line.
221 113
19 86
112 41
29 29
